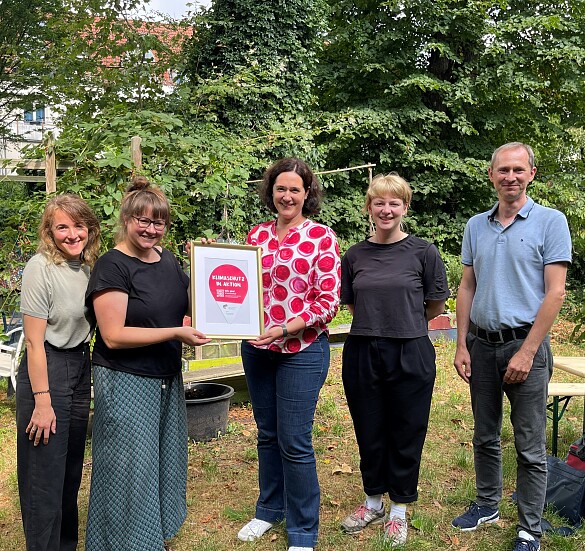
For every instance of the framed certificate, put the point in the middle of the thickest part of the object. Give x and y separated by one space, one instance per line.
226 290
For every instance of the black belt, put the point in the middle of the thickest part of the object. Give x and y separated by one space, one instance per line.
501 336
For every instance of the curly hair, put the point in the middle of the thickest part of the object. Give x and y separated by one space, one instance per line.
140 197
310 183
79 211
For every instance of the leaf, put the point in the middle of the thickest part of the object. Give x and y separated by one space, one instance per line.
459 422
342 469
416 523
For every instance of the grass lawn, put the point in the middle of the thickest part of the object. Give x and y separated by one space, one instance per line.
222 483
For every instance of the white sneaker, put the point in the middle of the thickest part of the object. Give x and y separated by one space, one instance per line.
395 531
255 529
296 548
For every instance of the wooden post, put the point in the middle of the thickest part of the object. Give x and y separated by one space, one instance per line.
136 152
50 167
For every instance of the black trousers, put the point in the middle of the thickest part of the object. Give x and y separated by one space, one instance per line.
49 475
389 385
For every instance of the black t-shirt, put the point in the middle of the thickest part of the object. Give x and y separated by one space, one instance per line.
157 297
389 284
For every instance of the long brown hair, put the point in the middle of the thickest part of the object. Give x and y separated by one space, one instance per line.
79 211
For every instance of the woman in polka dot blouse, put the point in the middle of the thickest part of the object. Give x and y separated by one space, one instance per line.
287 365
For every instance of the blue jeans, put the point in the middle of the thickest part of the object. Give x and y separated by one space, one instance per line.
528 416
284 389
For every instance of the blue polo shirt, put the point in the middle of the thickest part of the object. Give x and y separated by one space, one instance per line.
509 262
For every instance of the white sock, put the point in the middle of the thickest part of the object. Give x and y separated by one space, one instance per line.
526 536
295 548
374 502
398 510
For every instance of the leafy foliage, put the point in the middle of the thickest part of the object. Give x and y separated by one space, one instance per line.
429 89
255 59
424 88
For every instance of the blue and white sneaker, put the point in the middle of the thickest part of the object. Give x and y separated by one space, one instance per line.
520 544
474 517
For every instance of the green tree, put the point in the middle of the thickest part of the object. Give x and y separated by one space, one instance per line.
23 36
253 60
429 89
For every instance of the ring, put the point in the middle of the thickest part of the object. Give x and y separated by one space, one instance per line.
33 429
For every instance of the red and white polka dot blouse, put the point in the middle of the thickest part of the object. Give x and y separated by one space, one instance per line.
301 276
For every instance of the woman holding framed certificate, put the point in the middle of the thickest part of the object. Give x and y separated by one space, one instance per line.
287 365
139 294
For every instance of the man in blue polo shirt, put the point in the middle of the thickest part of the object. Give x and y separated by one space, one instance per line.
515 259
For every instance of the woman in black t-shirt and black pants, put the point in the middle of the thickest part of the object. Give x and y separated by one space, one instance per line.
392 283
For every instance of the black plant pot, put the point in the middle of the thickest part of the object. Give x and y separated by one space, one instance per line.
208 406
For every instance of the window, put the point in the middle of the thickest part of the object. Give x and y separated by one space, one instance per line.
35 115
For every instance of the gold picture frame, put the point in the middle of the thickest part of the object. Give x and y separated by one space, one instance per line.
226 290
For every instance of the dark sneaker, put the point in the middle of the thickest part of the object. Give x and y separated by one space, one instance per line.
520 544
474 516
361 517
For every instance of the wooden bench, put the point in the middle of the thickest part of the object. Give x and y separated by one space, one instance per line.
561 394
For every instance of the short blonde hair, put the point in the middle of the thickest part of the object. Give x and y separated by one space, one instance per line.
79 211
388 184
513 145
141 195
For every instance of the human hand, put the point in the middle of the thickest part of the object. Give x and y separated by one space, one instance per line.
269 336
519 367
462 363
192 337
43 421
202 240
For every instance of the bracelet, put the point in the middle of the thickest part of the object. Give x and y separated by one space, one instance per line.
48 391
284 330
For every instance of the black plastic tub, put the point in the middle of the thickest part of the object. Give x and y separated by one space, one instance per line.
208 406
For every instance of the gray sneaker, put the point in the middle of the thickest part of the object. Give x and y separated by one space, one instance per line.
361 517
395 531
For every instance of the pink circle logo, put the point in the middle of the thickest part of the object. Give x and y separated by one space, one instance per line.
228 283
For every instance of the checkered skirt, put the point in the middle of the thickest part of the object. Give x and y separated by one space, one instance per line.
139 468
